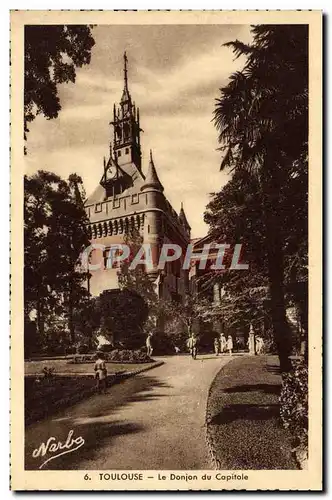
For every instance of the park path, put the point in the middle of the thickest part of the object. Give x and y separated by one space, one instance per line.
155 420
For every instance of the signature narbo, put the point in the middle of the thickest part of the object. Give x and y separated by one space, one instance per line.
52 445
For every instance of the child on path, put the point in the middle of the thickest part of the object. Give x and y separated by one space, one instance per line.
100 374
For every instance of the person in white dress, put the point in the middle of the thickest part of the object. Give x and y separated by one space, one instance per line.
259 345
223 343
229 344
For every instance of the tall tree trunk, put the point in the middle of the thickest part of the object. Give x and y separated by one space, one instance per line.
281 329
71 314
39 316
271 212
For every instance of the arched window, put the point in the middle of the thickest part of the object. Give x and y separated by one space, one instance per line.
126 130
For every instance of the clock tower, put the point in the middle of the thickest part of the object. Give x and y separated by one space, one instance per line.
126 199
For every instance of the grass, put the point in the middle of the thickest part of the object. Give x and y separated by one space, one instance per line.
244 426
62 366
44 397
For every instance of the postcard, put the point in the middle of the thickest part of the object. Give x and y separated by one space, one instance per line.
166 250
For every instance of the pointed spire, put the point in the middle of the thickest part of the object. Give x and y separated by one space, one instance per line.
183 218
152 179
125 71
125 94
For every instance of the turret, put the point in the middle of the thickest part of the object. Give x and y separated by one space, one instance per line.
153 215
152 179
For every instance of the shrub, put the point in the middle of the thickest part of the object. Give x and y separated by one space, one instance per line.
130 356
82 348
105 348
79 358
294 405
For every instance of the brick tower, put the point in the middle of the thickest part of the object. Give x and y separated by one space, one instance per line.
126 197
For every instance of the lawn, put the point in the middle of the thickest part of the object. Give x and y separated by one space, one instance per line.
244 427
71 383
61 366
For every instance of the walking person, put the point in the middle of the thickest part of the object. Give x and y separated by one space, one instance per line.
192 344
259 345
216 346
149 348
230 344
223 343
100 373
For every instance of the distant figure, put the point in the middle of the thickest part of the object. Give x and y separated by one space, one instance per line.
192 345
177 349
239 344
230 344
216 346
149 347
259 345
100 373
223 343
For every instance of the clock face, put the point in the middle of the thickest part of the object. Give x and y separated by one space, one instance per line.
111 172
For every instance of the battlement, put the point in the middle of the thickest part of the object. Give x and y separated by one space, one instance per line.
110 216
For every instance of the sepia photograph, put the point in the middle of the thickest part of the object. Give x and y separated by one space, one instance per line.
167 267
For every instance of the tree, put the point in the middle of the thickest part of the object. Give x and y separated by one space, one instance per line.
262 119
87 321
195 308
52 52
123 314
54 237
138 280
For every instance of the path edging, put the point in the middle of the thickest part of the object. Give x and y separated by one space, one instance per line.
215 463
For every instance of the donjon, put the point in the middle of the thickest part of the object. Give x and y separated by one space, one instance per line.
128 198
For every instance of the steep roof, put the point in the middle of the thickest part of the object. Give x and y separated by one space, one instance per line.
183 218
152 179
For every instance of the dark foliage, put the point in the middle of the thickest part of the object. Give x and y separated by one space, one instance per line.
54 237
123 314
294 404
262 120
51 55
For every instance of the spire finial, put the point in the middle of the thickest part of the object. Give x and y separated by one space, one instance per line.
181 205
151 159
125 70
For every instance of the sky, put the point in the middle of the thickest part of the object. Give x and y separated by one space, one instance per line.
174 74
